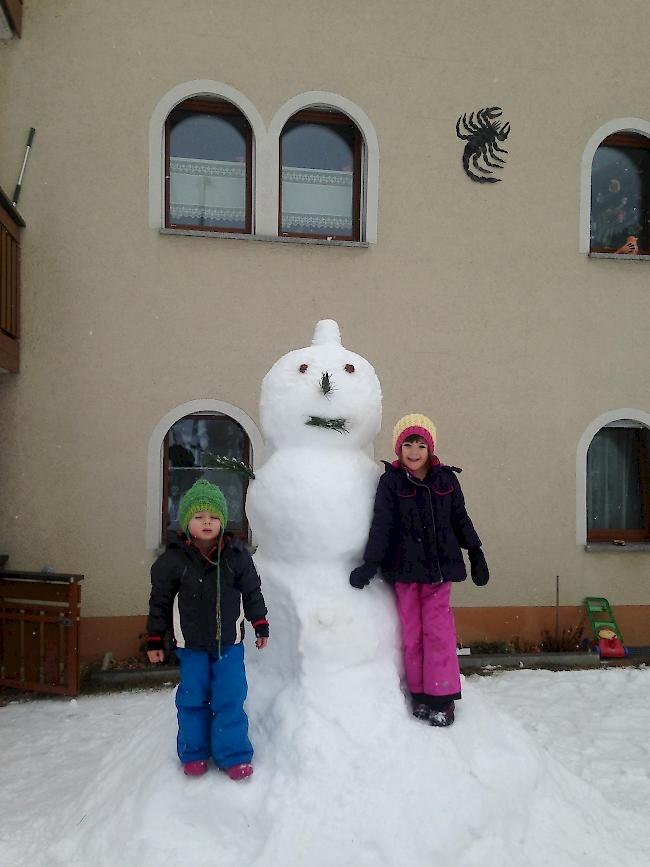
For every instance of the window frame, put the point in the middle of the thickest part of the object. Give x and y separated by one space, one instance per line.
244 533
218 107
612 534
621 140
333 118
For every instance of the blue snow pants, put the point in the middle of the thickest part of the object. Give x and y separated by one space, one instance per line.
210 703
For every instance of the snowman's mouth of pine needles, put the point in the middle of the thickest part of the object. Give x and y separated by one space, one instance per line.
337 424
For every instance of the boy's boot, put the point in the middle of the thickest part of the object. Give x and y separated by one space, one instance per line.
443 717
196 768
239 772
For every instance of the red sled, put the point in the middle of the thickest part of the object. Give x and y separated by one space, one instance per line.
610 648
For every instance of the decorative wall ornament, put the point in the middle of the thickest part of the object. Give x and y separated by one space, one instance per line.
482 132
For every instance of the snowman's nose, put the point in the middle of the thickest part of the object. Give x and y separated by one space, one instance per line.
326 383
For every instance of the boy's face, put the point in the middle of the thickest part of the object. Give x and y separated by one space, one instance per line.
415 455
204 526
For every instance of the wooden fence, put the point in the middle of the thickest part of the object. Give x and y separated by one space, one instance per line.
39 631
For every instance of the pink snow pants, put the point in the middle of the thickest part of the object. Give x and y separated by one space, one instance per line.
428 638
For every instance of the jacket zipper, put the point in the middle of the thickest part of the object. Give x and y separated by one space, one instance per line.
433 523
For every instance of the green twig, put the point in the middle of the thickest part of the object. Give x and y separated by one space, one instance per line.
337 424
221 463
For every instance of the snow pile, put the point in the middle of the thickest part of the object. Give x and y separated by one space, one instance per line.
539 769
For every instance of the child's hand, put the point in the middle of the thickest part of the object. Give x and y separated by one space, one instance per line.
261 628
156 656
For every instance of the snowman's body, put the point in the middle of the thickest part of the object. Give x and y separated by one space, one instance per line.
310 505
313 506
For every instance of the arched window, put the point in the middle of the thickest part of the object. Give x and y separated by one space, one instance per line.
618 483
190 444
208 167
620 195
320 176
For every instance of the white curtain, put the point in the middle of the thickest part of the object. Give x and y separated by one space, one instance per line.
316 200
207 192
614 498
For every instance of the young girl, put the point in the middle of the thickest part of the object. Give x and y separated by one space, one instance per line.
418 529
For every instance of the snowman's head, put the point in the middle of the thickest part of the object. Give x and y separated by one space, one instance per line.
322 396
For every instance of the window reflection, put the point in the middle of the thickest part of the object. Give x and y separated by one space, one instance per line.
190 443
208 156
617 483
319 190
620 196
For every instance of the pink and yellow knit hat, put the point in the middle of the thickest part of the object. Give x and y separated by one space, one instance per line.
414 424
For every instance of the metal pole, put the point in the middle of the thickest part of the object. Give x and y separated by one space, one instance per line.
557 611
19 183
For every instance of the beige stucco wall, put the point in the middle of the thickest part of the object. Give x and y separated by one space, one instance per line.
475 305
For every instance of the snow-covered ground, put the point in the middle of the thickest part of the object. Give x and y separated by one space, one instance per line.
541 768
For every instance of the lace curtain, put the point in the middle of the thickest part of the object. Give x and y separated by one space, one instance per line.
207 192
614 489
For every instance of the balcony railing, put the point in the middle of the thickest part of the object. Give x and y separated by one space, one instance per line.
11 224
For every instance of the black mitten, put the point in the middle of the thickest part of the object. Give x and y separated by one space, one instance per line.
363 575
479 567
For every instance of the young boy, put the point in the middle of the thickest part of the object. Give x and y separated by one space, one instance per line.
419 526
203 587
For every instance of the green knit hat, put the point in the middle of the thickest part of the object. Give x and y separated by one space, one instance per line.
203 496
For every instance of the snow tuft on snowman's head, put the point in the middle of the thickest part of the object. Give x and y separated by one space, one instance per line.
322 396
326 331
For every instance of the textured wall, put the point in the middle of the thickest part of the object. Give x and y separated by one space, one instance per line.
475 306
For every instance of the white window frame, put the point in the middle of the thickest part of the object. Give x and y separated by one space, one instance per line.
177 95
153 528
266 156
317 99
621 124
626 417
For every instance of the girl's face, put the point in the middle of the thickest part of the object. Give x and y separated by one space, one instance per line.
415 456
204 527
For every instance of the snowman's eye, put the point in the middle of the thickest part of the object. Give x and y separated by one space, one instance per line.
349 368
303 368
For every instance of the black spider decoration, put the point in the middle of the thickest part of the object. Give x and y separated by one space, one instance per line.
482 134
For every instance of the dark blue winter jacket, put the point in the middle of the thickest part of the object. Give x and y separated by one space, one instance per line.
419 527
205 607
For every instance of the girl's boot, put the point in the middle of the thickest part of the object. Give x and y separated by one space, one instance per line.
443 717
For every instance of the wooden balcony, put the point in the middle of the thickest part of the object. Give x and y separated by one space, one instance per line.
11 18
11 224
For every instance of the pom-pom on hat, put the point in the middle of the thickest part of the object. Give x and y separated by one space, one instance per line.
203 496
414 424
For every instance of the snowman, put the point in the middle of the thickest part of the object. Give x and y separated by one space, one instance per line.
326 706
310 507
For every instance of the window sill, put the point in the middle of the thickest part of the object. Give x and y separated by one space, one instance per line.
273 239
621 256
610 548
